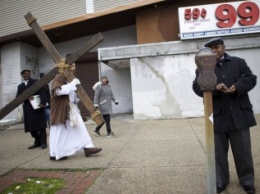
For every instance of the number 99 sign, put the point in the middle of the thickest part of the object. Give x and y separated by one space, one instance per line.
247 12
240 17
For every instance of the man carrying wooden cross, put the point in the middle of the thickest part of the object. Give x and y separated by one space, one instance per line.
68 133
62 67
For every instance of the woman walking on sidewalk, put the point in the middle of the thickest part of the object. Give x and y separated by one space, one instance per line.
102 101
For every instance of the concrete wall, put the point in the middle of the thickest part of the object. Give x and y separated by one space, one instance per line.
10 76
252 58
162 85
162 75
119 79
29 59
1 97
14 58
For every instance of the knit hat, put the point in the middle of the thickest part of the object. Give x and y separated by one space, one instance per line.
104 77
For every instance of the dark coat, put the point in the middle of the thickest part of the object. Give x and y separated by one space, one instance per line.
48 95
34 120
231 111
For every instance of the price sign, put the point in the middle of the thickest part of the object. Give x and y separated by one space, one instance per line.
224 19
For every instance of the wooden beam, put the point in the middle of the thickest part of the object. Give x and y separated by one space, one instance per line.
85 48
84 98
210 145
48 77
69 60
97 117
42 37
27 93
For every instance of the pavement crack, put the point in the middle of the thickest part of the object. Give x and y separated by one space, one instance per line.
200 142
19 166
127 142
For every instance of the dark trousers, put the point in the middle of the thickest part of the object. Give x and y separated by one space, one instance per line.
47 113
107 121
40 137
240 142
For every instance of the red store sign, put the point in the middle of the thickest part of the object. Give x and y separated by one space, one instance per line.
223 19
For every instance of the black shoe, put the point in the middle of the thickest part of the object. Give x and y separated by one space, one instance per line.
63 158
221 188
34 146
249 189
111 134
44 146
97 133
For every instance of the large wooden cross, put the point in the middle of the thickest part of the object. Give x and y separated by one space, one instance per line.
62 66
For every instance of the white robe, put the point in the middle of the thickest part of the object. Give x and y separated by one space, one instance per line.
67 140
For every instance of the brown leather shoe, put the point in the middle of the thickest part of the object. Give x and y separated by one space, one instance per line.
90 151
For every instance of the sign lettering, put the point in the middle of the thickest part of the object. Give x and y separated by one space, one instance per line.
219 19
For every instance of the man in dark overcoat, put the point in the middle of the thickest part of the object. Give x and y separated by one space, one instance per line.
233 116
34 119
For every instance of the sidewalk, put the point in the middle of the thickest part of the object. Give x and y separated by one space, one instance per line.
156 156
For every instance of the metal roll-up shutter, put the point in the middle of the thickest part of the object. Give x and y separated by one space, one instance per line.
87 73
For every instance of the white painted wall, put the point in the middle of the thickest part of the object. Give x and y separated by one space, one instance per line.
162 86
1 105
162 75
14 58
1 97
10 76
29 59
119 79
252 58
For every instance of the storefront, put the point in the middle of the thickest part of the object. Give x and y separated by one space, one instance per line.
147 54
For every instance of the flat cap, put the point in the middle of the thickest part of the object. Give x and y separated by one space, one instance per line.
214 41
22 72
41 75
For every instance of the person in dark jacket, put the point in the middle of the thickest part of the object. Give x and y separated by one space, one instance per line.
233 116
34 119
47 110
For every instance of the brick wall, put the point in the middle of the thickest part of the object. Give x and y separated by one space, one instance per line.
161 24
146 26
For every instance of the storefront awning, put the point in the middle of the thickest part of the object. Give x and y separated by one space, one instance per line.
119 57
85 25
